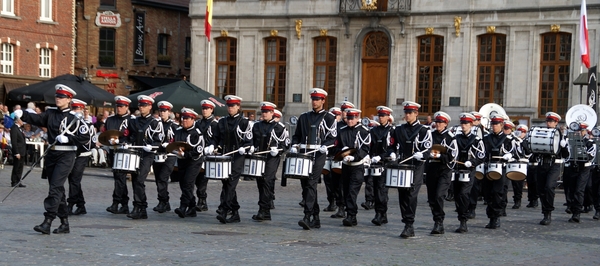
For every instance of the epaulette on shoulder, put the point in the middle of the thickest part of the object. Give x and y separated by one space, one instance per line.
179 128
345 126
452 135
53 108
133 117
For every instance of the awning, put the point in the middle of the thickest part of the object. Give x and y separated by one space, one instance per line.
8 86
150 82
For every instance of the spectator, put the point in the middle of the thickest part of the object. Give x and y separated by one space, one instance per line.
88 117
38 110
31 107
18 151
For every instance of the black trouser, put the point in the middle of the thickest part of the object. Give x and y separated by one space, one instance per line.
201 185
595 176
17 170
351 184
462 191
532 194
493 192
138 180
381 193
75 177
120 192
576 179
228 194
547 178
188 171
162 172
475 193
264 182
517 189
437 182
336 188
407 197
329 189
588 196
58 165
309 185
369 192
505 195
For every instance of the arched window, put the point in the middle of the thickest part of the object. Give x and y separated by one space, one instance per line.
430 67
226 66
555 73
275 70
325 67
491 63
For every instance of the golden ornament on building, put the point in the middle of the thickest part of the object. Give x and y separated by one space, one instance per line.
457 21
224 33
274 33
555 28
429 31
299 28
369 5
491 29
323 32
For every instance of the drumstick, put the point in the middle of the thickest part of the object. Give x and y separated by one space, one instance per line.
313 151
234 151
267 151
141 147
458 162
497 157
406 159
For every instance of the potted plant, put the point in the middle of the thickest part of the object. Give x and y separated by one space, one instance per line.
164 59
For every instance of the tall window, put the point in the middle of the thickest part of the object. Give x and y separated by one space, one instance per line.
163 56
554 73
490 69
430 66
45 60
6 59
325 66
188 51
275 66
226 67
46 10
108 3
8 7
106 54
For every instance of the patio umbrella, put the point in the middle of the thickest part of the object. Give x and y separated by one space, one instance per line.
44 91
182 94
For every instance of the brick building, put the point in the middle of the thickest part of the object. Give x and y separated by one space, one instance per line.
36 41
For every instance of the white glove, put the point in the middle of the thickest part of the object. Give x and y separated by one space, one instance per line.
251 151
164 145
18 113
293 150
375 159
274 151
435 155
114 141
345 148
61 138
147 148
209 150
179 153
242 151
468 164
176 152
393 156
125 146
507 156
323 149
349 158
563 143
418 155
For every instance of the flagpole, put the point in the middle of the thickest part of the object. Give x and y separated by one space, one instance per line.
208 69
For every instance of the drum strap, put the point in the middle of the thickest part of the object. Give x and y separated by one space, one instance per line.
413 135
266 134
496 145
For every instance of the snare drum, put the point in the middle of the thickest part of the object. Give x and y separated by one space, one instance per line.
217 166
327 166
376 170
517 171
462 175
160 158
480 171
544 140
254 166
126 160
399 175
298 166
494 171
336 167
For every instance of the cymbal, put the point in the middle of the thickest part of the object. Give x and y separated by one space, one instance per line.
106 136
178 145
340 155
439 148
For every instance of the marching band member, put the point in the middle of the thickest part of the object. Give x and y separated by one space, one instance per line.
522 154
380 142
207 125
268 136
66 133
234 134
277 116
141 137
188 161
438 170
508 129
162 133
549 170
532 195
75 193
499 149
410 140
471 151
353 135
312 126
332 192
475 193
577 173
336 178
120 121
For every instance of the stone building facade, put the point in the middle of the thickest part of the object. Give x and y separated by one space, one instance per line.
453 56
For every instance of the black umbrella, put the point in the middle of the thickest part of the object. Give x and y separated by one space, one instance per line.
45 91
182 94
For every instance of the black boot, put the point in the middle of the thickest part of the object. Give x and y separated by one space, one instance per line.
302 203
503 213
367 205
597 215
114 208
263 215
438 228
517 204
586 209
450 197
384 219
222 217
272 205
70 208
331 207
471 214
191 212
305 222
493 224
377 219
202 206
408 231
575 218
350 220
463 227
44 227
123 210
340 213
162 207
532 204
235 217
181 211
138 213
315 223
63 228
80 210
547 219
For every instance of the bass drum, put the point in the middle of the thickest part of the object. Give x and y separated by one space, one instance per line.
544 140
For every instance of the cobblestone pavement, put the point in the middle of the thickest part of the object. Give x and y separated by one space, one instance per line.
100 237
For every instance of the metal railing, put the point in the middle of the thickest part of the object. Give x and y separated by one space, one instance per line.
386 6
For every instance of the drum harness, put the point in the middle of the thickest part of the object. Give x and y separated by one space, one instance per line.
378 141
415 135
497 146
160 130
468 148
238 132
